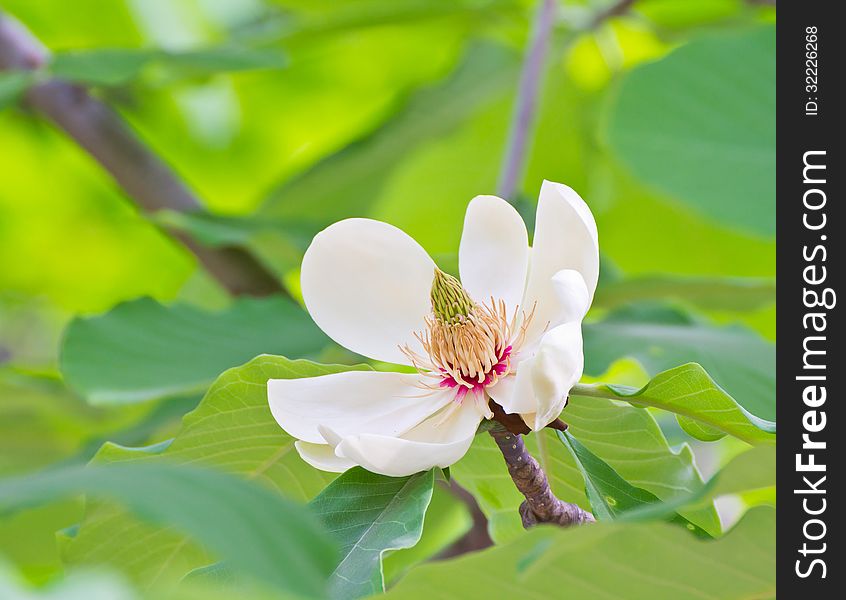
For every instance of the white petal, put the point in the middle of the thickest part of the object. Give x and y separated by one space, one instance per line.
539 390
565 238
493 256
509 397
323 457
431 444
572 296
366 284
351 403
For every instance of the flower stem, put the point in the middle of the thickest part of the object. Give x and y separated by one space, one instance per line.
541 505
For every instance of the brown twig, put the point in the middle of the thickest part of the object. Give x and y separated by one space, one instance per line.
541 505
477 538
144 177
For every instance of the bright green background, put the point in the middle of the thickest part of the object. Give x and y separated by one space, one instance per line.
286 115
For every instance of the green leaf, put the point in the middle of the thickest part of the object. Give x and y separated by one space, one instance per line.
12 85
369 514
41 422
225 59
117 66
635 561
73 586
710 293
610 495
106 67
661 338
255 529
347 183
153 350
753 469
232 430
703 409
447 520
625 437
750 471
700 124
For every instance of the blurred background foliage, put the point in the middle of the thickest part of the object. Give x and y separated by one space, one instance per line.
286 115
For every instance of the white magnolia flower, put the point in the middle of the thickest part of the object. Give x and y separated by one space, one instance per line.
510 331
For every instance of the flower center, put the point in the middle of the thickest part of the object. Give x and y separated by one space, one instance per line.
468 345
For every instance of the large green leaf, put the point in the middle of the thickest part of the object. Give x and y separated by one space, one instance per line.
42 423
625 437
609 494
661 338
348 182
232 429
448 519
700 124
368 515
635 561
703 409
751 471
256 530
142 349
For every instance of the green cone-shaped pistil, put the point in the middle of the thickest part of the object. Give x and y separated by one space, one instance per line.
449 299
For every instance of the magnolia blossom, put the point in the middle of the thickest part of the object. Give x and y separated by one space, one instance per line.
509 331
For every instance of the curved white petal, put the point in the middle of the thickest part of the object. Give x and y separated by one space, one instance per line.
351 403
513 400
493 256
565 238
366 284
543 381
323 457
572 296
431 444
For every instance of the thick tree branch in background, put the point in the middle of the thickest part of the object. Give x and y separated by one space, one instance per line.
144 177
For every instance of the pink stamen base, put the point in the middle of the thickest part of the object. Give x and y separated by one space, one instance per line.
476 386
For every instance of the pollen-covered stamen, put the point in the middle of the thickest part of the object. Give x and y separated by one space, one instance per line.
469 346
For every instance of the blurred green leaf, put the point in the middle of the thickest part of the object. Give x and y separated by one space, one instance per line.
254 529
232 429
700 124
653 561
610 495
447 521
208 61
116 66
12 86
348 182
660 338
750 471
368 515
709 293
702 408
74 586
625 437
691 13
42 423
142 350
100 67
